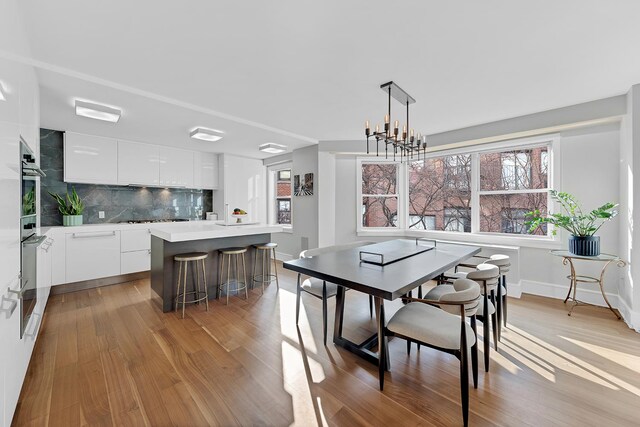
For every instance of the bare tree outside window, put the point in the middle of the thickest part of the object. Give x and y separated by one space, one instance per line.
439 193
379 195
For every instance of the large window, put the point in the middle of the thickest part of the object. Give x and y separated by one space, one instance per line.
379 194
512 183
439 195
283 197
484 191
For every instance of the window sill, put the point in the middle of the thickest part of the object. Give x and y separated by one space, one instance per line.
287 229
469 238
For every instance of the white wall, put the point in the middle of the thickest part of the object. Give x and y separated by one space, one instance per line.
305 221
242 184
589 164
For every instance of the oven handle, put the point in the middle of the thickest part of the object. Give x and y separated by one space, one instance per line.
35 241
88 235
22 289
13 304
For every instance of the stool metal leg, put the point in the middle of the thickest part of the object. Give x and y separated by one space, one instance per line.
206 290
244 275
255 268
178 285
184 286
228 277
275 268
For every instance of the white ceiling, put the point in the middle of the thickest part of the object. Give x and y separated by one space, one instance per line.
313 68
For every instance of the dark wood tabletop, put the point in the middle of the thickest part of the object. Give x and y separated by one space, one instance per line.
390 281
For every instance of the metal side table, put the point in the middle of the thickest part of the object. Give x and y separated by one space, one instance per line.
568 258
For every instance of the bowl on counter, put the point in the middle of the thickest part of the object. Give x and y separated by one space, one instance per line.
239 217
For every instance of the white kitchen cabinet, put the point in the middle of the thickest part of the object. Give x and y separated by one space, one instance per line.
90 159
92 255
138 164
176 167
136 251
133 262
58 255
205 171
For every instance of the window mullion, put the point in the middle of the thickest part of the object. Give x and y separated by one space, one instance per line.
475 196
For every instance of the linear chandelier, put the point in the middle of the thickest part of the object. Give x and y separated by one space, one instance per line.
406 145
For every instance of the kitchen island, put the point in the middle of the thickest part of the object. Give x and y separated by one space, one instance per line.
168 240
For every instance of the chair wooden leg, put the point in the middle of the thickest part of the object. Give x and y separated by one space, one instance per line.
474 353
324 311
504 305
464 374
499 309
485 333
298 291
371 306
494 321
420 291
408 347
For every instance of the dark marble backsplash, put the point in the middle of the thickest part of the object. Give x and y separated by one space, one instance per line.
119 203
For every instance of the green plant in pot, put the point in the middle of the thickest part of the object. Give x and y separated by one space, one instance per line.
582 226
70 206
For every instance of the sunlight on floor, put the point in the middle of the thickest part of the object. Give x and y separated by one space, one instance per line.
624 359
287 300
298 378
561 360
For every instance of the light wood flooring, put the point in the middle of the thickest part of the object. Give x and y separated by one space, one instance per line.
109 356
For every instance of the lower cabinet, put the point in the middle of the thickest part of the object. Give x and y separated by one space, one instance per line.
135 261
92 255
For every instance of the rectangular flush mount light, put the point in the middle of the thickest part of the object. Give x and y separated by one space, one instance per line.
97 111
206 134
272 148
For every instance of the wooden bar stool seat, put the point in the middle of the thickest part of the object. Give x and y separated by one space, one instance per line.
197 258
233 281
265 251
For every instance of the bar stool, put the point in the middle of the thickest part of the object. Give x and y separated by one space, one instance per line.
198 259
267 251
237 254
504 263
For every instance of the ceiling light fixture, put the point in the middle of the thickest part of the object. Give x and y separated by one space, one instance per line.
97 111
206 134
405 144
272 148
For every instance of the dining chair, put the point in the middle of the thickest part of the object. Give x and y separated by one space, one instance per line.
441 324
320 288
487 276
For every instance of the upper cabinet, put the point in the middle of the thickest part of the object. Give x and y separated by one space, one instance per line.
138 164
205 171
176 167
90 159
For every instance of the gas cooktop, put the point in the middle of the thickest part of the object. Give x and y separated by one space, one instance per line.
150 221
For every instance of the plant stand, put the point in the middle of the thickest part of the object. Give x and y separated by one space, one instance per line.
568 257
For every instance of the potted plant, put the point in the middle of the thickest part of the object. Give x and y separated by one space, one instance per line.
71 207
581 226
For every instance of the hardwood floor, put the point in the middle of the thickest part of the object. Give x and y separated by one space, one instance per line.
109 356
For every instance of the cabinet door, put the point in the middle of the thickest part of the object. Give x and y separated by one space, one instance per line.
92 255
138 164
90 159
205 171
135 240
133 262
176 167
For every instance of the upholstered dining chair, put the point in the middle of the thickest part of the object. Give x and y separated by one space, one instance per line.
487 276
320 288
504 263
441 324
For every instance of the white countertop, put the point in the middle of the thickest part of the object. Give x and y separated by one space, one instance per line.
199 230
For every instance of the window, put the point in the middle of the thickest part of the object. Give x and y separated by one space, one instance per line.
439 195
486 191
281 201
512 183
379 194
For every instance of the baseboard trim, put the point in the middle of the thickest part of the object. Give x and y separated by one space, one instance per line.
283 257
552 290
97 283
631 317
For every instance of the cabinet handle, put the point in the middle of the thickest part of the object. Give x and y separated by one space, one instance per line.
23 288
13 304
89 235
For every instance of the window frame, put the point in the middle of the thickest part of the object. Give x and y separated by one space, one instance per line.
475 236
272 193
400 190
